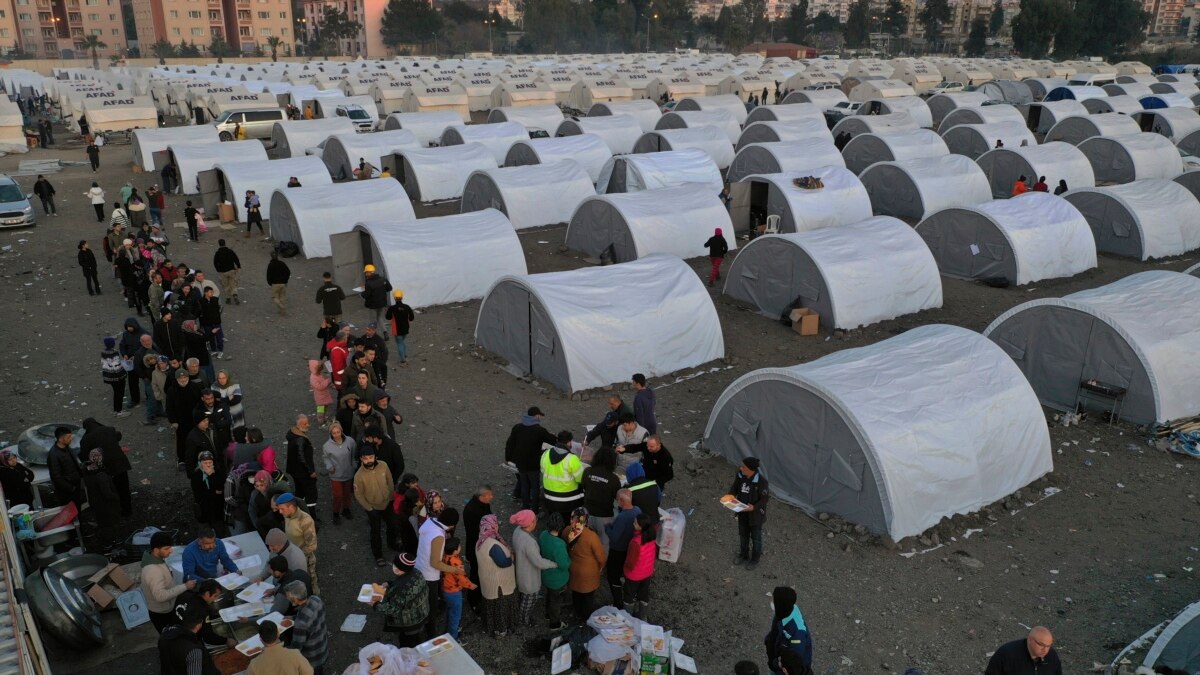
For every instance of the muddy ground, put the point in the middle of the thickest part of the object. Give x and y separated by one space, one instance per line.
1084 561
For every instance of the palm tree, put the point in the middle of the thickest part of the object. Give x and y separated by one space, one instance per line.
273 42
93 43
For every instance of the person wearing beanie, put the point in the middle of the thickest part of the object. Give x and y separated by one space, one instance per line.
157 583
375 294
404 602
718 248
750 488
530 563
399 316
200 440
182 395
373 490
113 374
788 633
524 450
279 545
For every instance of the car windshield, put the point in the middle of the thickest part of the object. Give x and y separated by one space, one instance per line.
11 193
358 114
224 116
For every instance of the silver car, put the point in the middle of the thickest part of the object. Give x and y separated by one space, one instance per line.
15 208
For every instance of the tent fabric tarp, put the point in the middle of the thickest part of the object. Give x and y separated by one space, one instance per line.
1078 128
309 215
432 174
497 137
843 200
645 112
530 196
1032 237
869 124
985 114
1145 219
1178 645
866 149
1124 159
729 102
774 132
1013 92
941 105
576 330
633 225
146 142
293 138
709 139
428 126
435 261
894 436
1138 333
657 170
544 117
341 152
1054 160
689 119
192 158
789 156
619 132
830 271
266 176
917 188
973 140
587 150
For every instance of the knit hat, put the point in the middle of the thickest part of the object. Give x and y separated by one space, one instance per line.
190 326
163 359
381 394
783 598
404 561
110 342
366 450
182 372
635 472
275 537
127 242
285 498
523 518
751 463
262 474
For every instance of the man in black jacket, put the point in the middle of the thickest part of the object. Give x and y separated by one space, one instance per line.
330 297
277 278
300 463
116 464
227 264
524 449
387 450
371 339
477 507
656 460
183 395
750 488
168 336
375 295
216 409
131 342
202 438
180 649
65 475
45 192
1034 655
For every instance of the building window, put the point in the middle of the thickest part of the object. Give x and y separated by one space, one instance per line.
22 2
116 31
244 31
25 16
3 32
27 32
283 32
174 14
264 15
3 13
97 31
47 32
194 14
175 31
44 17
197 31
91 17
214 16
112 17
91 3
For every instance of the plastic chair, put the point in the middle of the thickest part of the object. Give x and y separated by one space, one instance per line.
772 225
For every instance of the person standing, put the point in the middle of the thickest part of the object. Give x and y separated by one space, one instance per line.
322 390
788 638
562 473
208 485
718 248
65 475
128 347
107 440
552 547
400 316
43 133
253 213
524 450
497 577
95 195
639 565
405 602
158 202
278 274
453 585
300 463
301 531
373 490
330 297
644 403
375 294
1034 655
431 546
619 532
45 192
113 374
191 215
180 649
309 632
228 266
16 479
477 507
87 262
338 453
530 563
750 488
587 559
93 155
170 178
157 582
210 322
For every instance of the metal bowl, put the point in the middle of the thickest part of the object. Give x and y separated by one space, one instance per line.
77 568
63 609
33 445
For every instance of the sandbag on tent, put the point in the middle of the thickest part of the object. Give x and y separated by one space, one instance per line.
645 112
1035 236
1137 334
866 149
342 152
869 124
895 436
309 215
435 261
987 114
917 188
774 132
442 97
264 177
1054 160
728 102
432 174
1123 159
427 126
293 138
619 132
913 105
1078 128
1174 123
941 105
497 137
842 200
1144 219
192 158
632 225
587 150
1041 117
657 170
543 117
530 196
120 113
690 119
793 112
831 272
709 139
548 325
790 156
973 140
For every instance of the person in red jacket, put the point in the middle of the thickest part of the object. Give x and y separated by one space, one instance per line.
639 565
338 355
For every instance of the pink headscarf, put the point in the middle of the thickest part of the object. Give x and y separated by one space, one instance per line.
489 528
718 232
263 475
523 518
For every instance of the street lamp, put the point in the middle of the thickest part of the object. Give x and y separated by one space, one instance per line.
648 17
489 21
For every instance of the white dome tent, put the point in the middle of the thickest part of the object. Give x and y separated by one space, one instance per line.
149 142
341 152
1174 123
775 132
894 436
1054 160
632 225
1078 128
823 98
831 272
587 150
576 329
427 126
917 188
866 149
1138 334
1041 117
1174 643
690 119
793 112
433 174
913 105
309 215
870 124
941 105
843 200
529 196
711 140
619 132
1145 219
657 170
1124 159
1033 237
435 261
192 158
1123 105
1191 181
293 138
729 102
544 117
264 177
644 111
985 114
782 157
973 140
496 137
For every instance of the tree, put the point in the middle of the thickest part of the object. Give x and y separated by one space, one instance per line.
858 25
273 44
796 23
1112 27
933 16
977 38
163 50
754 13
189 50
409 22
218 47
824 22
336 25
896 18
1034 26
996 21
93 44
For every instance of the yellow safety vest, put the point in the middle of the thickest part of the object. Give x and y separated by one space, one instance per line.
562 477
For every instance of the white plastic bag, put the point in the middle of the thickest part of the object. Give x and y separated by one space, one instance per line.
670 535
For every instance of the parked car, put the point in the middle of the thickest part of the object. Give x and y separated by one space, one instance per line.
946 88
15 207
256 123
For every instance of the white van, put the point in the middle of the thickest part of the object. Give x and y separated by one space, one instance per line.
357 115
1091 80
256 123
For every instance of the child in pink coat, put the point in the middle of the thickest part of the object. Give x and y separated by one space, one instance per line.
322 389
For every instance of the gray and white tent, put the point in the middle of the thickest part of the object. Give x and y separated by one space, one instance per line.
1040 86
1078 128
913 105
972 140
729 102
632 225
1041 117
192 158
789 156
793 112
689 119
1138 334
309 215
894 436
869 124
1145 219
264 177
984 114
866 149
917 188
774 132
436 261
294 138
341 152
1124 159
1174 643
1174 123
1124 105
830 271
1194 270
530 196
711 140
1189 144
941 105
497 137
824 98
1191 181
646 112
1035 236
432 174
150 142
544 117
1054 160
619 132
1013 92
428 126
843 200
577 331
587 150
657 170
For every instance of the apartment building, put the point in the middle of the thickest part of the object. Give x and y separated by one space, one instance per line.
54 28
368 13
243 24
9 34
1165 16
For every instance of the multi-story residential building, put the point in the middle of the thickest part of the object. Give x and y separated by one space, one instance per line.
9 33
1165 16
52 28
243 24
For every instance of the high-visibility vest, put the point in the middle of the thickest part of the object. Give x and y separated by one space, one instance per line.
561 478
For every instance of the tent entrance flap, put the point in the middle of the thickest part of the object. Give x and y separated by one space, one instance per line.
212 192
161 159
504 329
760 198
349 250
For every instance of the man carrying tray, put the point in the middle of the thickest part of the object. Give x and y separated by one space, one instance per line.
750 488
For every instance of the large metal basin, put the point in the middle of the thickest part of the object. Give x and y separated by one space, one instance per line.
63 609
33 445
77 568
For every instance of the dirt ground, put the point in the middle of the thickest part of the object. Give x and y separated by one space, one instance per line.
1110 555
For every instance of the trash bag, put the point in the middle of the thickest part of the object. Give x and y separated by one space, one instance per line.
379 658
287 249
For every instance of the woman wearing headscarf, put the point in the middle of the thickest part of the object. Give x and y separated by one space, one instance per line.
530 563
231 391
262 517
434 504
497 577
587 561
789 645
101 496
717 249
405 602
16 479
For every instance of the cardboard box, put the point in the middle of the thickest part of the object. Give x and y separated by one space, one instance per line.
113 575
226 213
137 168
805 321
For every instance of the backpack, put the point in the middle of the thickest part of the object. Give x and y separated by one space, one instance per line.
235 480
